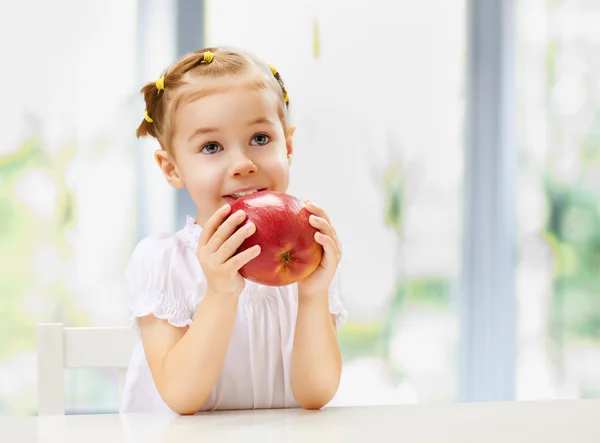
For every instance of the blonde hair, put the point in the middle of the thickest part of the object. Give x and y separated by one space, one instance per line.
163 96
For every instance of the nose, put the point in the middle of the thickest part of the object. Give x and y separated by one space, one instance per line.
242 165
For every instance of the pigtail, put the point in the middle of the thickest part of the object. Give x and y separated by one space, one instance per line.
152 93
286 97
145 128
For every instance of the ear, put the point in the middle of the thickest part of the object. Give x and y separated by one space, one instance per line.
289 142
169 168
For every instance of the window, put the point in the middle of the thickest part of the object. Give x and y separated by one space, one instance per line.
67 183
558 74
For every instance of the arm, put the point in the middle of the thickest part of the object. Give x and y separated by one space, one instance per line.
316 357
186 362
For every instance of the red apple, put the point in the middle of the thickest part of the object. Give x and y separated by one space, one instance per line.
289 252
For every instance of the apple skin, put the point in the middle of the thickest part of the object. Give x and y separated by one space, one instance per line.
289 252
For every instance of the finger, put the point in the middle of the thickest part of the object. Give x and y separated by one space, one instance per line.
213 223
239 260
325 228
321 224
331 257
228 248
318 211
225 230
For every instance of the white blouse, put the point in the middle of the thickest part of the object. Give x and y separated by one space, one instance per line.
164 278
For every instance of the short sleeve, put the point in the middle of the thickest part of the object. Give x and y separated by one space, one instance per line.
336 306
162 279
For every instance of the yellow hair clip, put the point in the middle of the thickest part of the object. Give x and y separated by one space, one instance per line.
286 98
160 83
147 118
208 56
273 70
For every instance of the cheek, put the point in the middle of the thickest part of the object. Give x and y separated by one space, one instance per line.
276 162
279 170
201 183
200 179
277 158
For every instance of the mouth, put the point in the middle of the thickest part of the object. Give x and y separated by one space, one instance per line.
242 193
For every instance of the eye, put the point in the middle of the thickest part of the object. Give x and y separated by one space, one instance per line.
211 148
260 139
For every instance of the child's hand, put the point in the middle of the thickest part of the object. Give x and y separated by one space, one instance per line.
216 247
318 282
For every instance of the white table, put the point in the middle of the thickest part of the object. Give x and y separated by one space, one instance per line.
575 421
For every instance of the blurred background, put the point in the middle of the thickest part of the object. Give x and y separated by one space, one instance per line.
455 144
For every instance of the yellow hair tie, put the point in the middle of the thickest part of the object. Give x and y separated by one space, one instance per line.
287 97
208 56
273 70
160 83
147 118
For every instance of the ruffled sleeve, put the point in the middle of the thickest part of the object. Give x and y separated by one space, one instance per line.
162 278
336 307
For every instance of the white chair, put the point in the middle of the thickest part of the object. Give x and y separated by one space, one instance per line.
60 348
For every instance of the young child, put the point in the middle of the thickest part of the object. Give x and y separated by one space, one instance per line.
207 338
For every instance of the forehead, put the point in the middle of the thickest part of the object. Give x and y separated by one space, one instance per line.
196 87
216 95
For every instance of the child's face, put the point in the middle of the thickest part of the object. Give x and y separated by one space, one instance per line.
227 142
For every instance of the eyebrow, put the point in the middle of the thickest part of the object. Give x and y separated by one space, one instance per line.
208 130
202 131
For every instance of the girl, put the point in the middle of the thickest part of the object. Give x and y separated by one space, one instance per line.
208 339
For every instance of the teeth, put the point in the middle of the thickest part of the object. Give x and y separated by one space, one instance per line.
241 194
